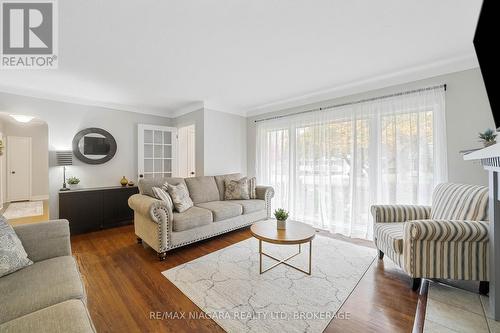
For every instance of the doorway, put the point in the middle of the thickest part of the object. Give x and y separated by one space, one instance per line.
24 169
18 168
187 151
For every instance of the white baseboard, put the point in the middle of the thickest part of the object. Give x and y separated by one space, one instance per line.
39 197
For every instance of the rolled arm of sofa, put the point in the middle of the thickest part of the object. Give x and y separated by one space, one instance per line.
265 193
153 208
399 213
45 240
446 231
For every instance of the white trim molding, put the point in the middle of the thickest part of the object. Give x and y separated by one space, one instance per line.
415 73
39 197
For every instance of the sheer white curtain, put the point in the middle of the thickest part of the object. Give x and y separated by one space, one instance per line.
329 166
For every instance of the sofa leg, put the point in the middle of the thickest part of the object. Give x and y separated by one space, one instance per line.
162 256
484 287
380 255
139 240
415 283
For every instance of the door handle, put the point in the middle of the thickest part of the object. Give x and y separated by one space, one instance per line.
192 172
12 172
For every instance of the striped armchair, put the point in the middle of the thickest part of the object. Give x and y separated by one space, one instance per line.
448 240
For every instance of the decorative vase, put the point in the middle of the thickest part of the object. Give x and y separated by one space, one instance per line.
488 143
281 224
130 183
124 181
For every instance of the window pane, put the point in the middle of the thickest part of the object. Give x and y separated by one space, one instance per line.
148 151
158 137
167 151
167 137
148 136
158 151
158 165
148 165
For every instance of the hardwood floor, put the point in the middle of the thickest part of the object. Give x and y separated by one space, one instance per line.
124 285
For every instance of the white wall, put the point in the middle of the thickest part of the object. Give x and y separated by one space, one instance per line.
221 145
65 120
40 160
467 113
225 146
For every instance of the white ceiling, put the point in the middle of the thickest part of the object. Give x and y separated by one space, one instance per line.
245 57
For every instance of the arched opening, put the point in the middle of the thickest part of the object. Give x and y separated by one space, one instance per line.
24 169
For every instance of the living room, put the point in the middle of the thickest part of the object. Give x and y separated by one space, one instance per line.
248 167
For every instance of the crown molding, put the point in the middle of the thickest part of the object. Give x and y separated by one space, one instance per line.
190 107
156 111
441 67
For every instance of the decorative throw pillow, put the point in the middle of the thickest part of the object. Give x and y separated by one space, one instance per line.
252 183
162 194
180 197
236 189
13 257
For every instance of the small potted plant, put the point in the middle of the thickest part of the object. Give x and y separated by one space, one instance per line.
73 181
281 216
488 137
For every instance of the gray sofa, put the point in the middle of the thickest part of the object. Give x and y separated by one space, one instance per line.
157 224
47 296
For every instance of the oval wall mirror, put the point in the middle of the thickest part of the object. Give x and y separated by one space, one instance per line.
94 146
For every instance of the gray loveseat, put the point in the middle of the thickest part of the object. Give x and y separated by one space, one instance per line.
158 225
47 296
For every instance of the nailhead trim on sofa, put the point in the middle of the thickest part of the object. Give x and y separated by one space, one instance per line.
160 213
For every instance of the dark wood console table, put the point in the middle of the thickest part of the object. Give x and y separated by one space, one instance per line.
93 209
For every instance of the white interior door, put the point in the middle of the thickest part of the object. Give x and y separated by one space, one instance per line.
187 151
157 151
18 168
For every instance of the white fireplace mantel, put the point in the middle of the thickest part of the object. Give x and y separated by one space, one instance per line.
490 159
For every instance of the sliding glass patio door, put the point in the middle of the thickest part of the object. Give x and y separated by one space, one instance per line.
328 167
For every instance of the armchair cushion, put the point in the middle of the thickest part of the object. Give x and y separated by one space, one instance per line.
399 213
460 202
389 235
446 231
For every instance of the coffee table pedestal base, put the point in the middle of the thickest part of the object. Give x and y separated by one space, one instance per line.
284 261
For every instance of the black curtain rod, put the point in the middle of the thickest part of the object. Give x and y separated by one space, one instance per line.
443 86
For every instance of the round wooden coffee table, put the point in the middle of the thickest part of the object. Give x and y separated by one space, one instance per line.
296 233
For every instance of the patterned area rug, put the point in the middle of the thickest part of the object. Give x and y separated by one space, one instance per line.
17 210
227 285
